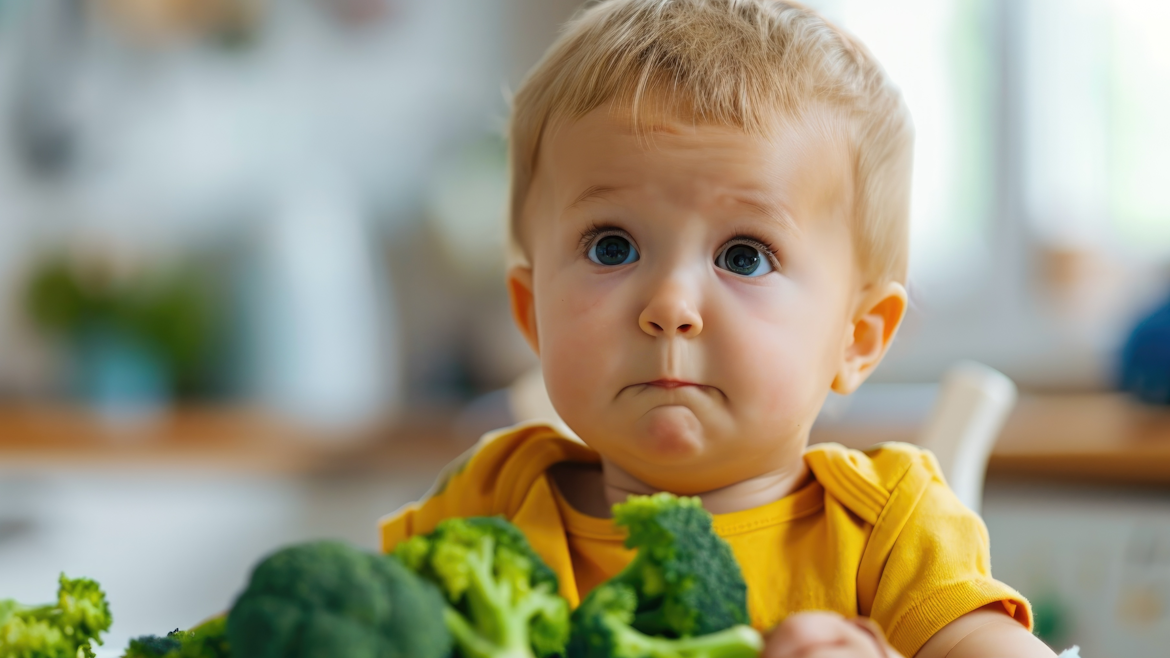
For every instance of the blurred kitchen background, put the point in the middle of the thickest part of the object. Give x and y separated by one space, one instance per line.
252 258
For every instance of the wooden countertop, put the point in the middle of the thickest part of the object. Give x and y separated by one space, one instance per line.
221 438
1098 437
1082 438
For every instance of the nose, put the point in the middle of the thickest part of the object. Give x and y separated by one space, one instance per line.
671 312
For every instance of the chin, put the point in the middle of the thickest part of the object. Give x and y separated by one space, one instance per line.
668 435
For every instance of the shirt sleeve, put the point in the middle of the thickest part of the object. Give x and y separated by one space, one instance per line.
454 494
932 555
494 477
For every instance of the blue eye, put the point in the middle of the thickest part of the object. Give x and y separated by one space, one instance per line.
612 250
744 259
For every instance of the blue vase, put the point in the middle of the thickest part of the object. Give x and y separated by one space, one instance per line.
1145 359
119 376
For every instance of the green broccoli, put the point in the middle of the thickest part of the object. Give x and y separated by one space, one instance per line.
208 640
327 599
683 595
64 629
502 598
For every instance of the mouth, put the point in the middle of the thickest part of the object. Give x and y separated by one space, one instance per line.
670 383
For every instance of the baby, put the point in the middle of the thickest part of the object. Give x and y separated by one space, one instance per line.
709 209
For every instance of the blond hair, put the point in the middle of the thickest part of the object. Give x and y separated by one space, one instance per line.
740 63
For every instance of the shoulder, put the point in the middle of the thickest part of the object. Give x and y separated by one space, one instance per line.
491 478
867 482
503 464
926 557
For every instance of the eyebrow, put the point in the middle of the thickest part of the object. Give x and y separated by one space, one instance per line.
777 212
592 192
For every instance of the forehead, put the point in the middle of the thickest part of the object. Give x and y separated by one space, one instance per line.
799 167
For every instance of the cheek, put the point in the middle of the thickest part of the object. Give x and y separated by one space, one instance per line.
778 351
578 319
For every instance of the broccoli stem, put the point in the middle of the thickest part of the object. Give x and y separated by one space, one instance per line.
540 599
735 642
501 628
472 644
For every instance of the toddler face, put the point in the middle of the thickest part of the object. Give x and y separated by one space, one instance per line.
693 294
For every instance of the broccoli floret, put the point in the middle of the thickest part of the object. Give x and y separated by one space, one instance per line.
502 598
208 640
327 599
682 596
153 646
603 627
65 629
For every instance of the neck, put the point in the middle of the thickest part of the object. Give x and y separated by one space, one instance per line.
755 491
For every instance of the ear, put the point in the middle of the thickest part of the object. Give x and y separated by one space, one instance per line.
523 304
877 319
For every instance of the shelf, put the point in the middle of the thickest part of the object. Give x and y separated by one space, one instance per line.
1098 437
221 438
1103 438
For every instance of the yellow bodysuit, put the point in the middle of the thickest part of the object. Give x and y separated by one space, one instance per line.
875 533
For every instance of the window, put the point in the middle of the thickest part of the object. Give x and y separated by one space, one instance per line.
1096 97
939 52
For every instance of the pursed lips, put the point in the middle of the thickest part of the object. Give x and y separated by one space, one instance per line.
670 383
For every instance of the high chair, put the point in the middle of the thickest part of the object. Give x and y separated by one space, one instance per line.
973 403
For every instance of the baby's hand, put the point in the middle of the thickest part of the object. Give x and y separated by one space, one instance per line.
827 635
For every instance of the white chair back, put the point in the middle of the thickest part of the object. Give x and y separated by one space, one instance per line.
973 403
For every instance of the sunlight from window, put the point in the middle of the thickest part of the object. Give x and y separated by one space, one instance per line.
1096 98
1139 126
938 52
